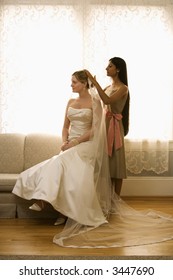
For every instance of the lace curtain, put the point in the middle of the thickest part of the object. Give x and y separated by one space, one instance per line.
43 42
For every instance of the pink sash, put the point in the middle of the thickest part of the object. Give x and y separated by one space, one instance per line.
114 131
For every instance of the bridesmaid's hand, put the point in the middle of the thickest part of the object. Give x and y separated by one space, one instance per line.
90 76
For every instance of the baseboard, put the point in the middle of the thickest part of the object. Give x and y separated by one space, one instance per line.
147 186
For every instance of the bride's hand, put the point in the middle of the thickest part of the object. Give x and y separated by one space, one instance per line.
68 145
64 146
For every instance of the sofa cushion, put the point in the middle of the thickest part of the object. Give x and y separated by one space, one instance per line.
11 152
7 181
39 147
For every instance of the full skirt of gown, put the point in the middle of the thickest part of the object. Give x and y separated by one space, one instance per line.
66 182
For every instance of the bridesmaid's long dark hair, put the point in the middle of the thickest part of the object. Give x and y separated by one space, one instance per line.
121 65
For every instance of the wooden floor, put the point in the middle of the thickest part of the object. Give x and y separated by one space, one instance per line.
32 238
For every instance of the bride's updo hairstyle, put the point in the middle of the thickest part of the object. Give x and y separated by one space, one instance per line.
82 77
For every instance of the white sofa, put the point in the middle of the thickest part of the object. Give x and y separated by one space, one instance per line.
17 153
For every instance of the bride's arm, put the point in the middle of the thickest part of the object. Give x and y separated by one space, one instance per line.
76 141
83 138
65 129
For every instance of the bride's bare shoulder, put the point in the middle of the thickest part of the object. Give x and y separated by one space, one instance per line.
71 101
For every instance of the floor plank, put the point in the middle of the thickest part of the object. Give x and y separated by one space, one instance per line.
32 238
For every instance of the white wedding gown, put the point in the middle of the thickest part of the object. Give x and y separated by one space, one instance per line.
76 183
66 181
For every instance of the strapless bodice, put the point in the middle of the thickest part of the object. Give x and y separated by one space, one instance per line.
80 121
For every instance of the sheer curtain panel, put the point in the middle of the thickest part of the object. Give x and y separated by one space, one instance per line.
43 42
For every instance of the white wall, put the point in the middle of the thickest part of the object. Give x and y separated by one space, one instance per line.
147 186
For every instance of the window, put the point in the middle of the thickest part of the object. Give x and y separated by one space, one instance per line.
44 42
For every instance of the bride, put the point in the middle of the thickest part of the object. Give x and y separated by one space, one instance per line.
77 183
66 181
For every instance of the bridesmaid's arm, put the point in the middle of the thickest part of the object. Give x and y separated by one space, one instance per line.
115 96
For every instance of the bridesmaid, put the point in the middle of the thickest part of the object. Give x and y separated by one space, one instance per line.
116 98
